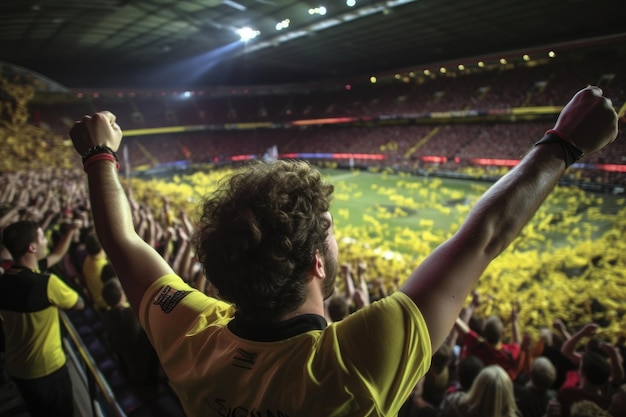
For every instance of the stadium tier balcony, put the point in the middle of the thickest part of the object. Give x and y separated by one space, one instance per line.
403 144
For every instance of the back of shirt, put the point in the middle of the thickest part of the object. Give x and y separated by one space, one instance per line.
340 370
30 320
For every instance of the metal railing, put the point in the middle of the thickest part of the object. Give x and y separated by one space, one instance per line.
89 372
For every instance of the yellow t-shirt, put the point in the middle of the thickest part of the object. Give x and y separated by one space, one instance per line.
31 322
92 269
364 365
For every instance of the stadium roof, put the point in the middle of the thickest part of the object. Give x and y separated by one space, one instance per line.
180 43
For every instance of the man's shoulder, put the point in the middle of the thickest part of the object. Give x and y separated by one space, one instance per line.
510 347
170 291
23 290
24 275
472 340
91 261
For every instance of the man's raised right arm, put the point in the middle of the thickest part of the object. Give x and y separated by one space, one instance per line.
440 284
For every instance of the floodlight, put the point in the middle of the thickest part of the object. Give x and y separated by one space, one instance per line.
318 10
284 24
247 33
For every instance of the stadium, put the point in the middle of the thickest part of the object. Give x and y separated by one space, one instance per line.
412 109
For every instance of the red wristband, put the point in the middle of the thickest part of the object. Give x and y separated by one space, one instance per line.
100 157
571 153
560 135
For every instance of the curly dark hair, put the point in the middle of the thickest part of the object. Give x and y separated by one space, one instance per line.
258 234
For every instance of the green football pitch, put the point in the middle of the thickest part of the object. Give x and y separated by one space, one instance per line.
436 206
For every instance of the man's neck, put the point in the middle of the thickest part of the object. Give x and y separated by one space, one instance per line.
314 304
29 262
497 346
308 307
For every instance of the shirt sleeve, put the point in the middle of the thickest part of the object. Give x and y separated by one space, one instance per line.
470 339
171 309
60 294
386 346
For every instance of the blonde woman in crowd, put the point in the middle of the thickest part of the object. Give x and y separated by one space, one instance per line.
491 395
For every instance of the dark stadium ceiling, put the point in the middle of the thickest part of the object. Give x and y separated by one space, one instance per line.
180 43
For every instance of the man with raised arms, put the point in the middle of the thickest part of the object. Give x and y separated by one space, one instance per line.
265 239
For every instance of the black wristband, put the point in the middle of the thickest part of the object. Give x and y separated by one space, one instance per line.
98 149
571 153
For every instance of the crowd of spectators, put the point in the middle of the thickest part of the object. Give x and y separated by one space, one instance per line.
485 370
538 371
